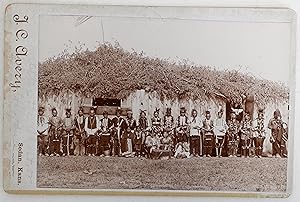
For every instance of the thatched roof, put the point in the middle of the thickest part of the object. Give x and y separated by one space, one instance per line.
111 71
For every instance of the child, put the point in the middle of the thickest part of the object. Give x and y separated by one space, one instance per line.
208 135
220 131
259 133
246 135
182 150
138 142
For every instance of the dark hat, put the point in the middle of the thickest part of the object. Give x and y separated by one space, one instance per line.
156 110
260 111
68 109
182 109
207 112
53 109
169 109
41 108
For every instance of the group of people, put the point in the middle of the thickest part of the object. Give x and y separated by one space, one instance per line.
169 137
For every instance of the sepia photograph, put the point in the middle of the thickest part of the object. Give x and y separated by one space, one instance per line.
185 99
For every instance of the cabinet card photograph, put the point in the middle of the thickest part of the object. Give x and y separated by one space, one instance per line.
155 99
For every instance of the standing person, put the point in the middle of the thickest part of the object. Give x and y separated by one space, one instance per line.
91 127
277 133
143 127
259 133
104 140
208 134
220 132
138 142
55 129
68 134
156 123
118 127
80 136
42 131
246 135
168 122
195 127
284 151
129 134
182 127
233 137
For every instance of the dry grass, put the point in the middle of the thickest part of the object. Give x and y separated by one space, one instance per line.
213 174
111 71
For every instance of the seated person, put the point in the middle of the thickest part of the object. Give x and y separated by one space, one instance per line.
152 143
166 146
182 150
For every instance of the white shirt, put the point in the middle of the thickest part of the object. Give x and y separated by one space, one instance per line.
42 124
220 127
195 124
91 131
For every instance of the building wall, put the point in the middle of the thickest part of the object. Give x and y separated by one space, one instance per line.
141 100
61 102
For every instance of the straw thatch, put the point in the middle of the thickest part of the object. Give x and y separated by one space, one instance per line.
111 71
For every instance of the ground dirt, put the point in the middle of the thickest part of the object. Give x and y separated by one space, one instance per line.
206 174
